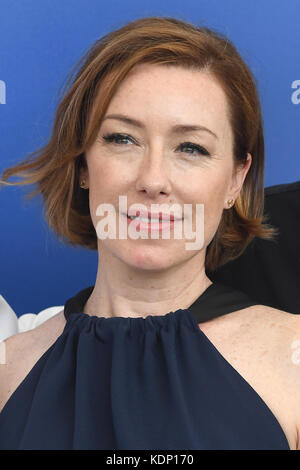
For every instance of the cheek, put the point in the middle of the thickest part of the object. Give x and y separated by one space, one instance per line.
211 194
107 177
207 190
103 182
106 184
213 210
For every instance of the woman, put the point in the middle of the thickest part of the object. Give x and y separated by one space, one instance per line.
154 355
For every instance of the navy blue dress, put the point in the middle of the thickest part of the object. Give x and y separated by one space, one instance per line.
139 383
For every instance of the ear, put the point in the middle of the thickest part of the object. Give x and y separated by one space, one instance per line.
238 176
84 173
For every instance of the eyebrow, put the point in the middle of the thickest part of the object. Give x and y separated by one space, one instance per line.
174 129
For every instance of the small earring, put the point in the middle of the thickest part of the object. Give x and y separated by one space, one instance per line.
230 202
82 184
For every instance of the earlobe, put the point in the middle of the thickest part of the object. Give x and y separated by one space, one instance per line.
83 178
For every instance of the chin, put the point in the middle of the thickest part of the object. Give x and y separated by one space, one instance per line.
155 258
147 262
152 259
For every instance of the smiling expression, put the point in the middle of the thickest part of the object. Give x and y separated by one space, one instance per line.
165 139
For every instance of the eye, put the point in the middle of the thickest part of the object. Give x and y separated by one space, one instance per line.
116 138
119 139
198 148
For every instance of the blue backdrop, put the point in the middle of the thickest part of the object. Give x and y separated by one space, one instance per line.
41 41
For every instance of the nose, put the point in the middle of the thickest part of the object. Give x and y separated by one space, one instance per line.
153 174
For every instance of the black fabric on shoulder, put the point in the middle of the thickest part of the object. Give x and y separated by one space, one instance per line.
219 300
76 303
282 188
269 270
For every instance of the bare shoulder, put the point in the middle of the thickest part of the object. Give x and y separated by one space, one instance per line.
284 327
36 339
286 340
21 351
269 323
277 329
263 344
282 332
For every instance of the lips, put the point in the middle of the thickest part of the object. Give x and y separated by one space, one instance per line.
154 215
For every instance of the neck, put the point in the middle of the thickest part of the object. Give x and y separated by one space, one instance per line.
122 290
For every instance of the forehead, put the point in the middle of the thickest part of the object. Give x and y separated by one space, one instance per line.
166 94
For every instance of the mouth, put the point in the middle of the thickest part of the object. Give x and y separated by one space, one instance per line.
154 223
149 217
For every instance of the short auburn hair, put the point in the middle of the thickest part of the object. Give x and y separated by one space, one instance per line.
54 168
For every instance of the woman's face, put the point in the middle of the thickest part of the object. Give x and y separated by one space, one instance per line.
153 163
